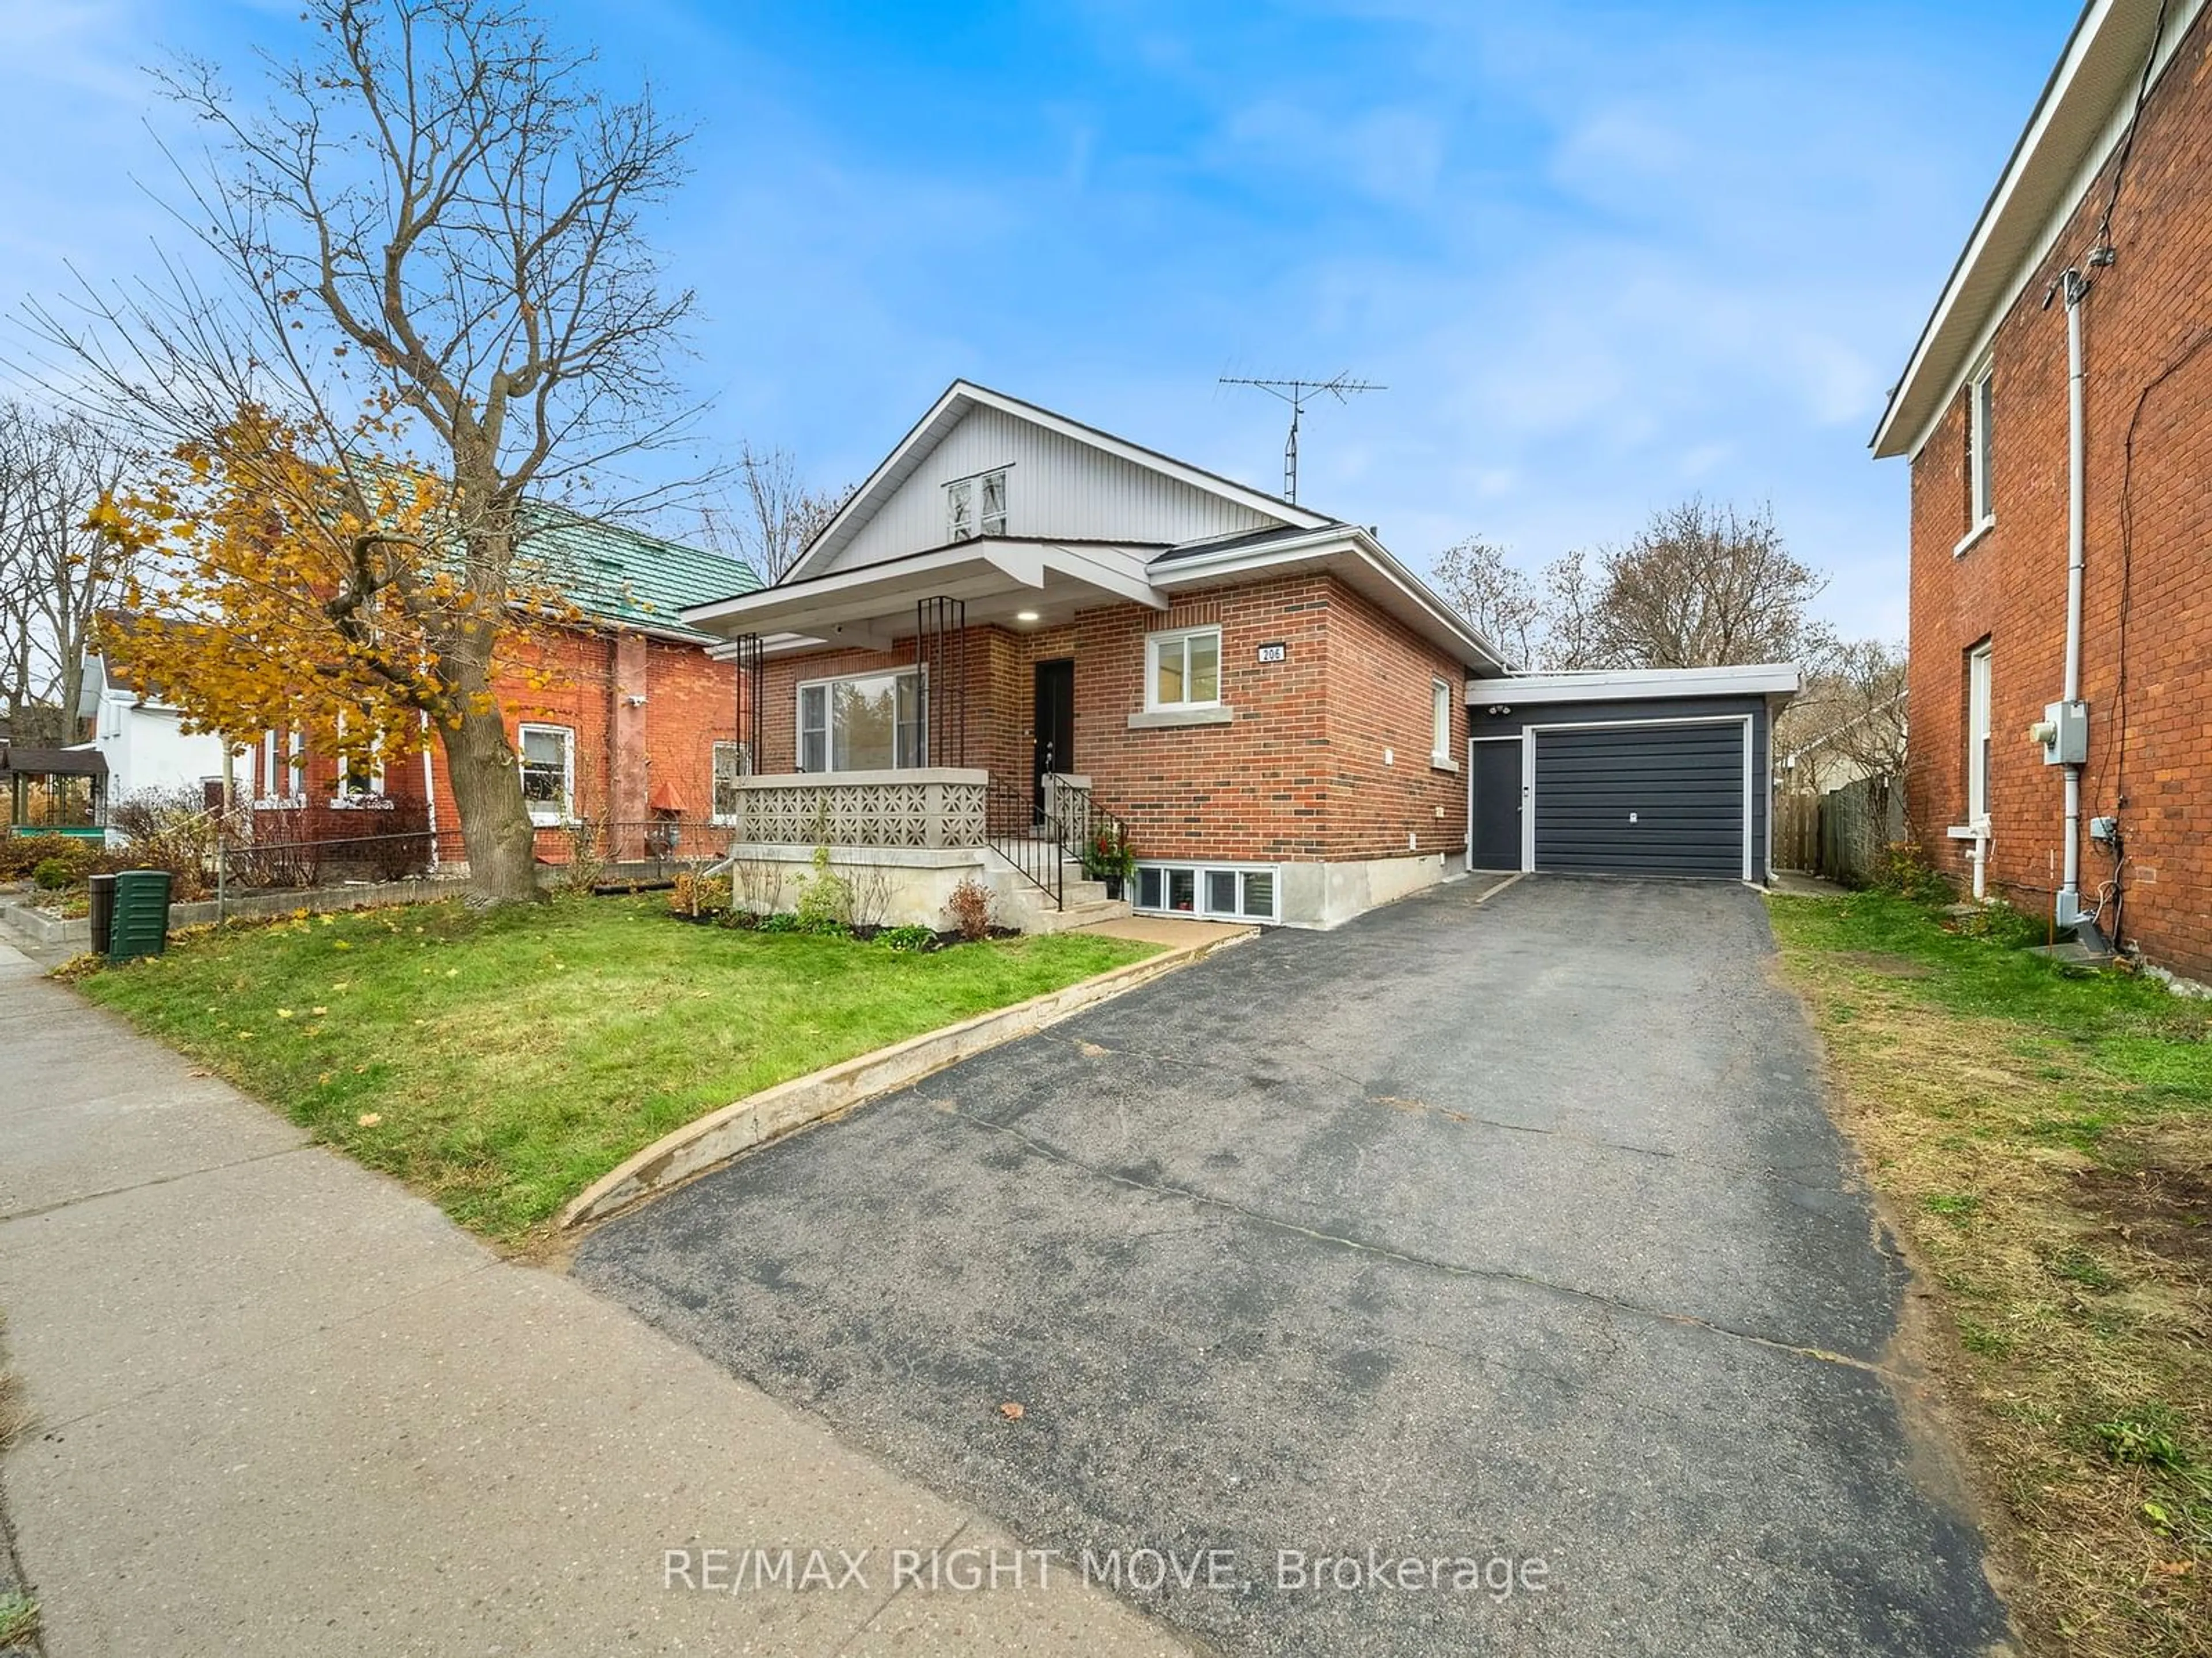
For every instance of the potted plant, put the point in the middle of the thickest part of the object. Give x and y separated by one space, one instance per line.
1108 856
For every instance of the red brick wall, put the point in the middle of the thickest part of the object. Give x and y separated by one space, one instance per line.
690 704
1255 788
1380 703
2010 587
1298 776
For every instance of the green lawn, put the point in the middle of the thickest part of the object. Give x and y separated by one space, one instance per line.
500 1062
2044 1139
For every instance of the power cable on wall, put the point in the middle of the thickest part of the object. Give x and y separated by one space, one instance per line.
2116 757
2128 140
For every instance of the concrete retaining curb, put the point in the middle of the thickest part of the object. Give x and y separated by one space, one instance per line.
49 931
721 1135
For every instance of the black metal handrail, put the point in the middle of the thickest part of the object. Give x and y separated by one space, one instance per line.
1013 829
1082 821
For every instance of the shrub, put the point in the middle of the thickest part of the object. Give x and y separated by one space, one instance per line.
171 830
64 861
971 907
906 938
400 849
825 898
21 853
756 885
1902 868
146 814
872 891
694 893
777 923
586 862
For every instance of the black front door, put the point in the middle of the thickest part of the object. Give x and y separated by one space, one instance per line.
1053 728
1495 784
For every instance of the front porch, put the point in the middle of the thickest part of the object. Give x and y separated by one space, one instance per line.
906 837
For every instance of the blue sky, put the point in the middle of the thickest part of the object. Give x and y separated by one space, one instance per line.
1602 256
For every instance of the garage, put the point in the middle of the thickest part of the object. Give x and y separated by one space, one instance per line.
1648 771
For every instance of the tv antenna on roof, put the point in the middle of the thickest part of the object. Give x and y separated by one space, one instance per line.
1297 394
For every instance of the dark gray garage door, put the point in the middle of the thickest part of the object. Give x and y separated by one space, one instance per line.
1649 800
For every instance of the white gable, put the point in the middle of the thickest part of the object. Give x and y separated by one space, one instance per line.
1063 482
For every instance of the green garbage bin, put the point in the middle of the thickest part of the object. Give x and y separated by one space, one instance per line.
102 912
141 927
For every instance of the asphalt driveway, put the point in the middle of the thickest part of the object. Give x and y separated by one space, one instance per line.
1512 1231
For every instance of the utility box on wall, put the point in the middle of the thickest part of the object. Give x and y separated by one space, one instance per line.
2064 732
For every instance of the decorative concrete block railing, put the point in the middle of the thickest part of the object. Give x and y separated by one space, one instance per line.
933 807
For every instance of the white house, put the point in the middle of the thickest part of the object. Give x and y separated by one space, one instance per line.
142 739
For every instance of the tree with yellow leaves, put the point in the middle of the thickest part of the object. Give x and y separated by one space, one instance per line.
268 591
436 303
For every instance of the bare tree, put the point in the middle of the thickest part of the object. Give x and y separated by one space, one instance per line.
1699 586
779 519
1571 638
430 254
1849 719
55 575
1500 600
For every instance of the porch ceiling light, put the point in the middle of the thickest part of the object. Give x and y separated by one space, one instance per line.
1026 616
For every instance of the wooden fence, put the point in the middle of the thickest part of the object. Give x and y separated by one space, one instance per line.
1841 834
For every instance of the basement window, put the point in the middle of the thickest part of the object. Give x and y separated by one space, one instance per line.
1210 892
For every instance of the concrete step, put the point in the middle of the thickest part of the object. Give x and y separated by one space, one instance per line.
1084 912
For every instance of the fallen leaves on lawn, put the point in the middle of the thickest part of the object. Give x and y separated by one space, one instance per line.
369 1118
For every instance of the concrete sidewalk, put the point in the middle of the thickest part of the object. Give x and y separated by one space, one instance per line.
284 1407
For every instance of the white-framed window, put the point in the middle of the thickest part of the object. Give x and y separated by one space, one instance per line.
863 722
284 765
1981 405
1977 733
731 763
547 759
1222 892
1182 670
975 506
1440 742
360 770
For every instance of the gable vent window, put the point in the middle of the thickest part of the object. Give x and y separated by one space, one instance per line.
975 506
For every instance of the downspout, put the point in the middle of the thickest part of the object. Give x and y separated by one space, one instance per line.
430 794
2068 911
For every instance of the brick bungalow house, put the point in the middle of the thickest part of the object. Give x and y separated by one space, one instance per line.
636 725
2057 413
1021 629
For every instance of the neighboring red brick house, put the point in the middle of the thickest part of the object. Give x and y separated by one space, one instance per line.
1017 612
2003 731
630 728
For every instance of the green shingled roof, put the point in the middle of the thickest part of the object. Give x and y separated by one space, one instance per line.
622 575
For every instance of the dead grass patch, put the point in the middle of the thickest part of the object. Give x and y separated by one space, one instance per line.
2044 1142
